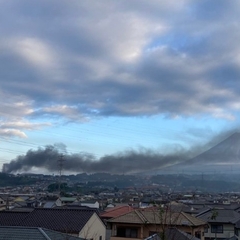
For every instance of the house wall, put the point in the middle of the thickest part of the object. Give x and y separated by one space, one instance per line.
2 207
94 229
228 231
146 230
58 202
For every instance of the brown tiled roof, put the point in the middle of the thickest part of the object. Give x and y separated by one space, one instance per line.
156 217
116 211
62 220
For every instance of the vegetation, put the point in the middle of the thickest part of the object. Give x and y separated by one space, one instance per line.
15 180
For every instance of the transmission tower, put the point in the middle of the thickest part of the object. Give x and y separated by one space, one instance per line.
60 166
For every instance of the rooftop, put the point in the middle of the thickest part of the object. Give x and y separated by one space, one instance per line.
116 211
33 233
157 217
63 220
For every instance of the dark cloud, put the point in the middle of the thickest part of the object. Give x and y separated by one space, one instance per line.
121 58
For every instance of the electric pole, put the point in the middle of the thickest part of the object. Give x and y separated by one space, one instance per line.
60 166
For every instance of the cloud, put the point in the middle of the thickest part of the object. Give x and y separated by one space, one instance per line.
69 112
80 59
12 133
17 127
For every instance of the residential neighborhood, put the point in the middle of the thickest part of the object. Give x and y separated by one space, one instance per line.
119 120
118 213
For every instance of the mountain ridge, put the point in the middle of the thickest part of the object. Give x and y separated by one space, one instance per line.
223 155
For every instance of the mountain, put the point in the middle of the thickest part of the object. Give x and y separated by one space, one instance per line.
225 156
225 152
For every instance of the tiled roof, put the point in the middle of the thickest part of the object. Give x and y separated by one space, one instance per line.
62 220
116 211
156 217
173 234
89 201
22 209
4 197
28 233
221 216
9 218
49 204
68 199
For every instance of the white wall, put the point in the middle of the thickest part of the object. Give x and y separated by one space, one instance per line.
93 229
228 231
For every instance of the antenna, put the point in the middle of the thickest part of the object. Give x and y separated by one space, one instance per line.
60 165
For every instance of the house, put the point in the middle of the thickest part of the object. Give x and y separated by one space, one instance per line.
6 202
21 198
49 204
172 234
221 223
20 233
113 213
237 230
2 201
90 203
84 223
33 203
65 200
142 223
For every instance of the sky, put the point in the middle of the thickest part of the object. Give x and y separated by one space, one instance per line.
108 77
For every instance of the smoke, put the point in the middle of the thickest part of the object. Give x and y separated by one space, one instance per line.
124 162
130 161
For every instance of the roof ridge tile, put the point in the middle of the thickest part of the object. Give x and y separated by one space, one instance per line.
141 216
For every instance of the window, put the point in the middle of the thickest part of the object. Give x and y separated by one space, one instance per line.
127 232
100 237
217 228
198 234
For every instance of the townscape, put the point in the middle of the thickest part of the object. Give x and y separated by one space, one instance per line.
114 207
119 120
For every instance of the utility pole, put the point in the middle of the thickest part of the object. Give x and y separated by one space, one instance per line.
60 165
7 202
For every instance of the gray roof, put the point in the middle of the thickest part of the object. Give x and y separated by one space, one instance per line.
32 233
173 234
62 220
49 204
220 216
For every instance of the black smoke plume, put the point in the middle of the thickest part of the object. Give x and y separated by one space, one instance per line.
125 162
130 161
